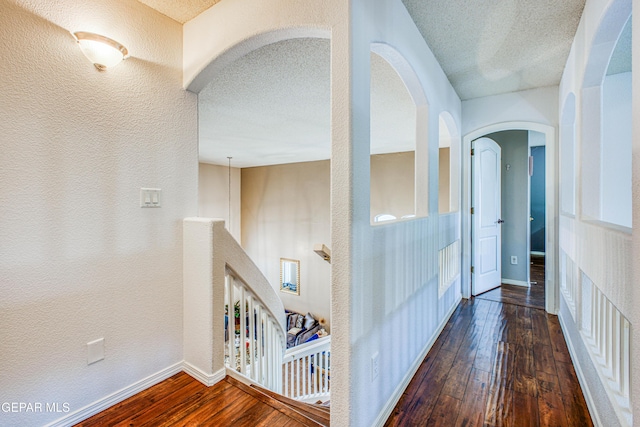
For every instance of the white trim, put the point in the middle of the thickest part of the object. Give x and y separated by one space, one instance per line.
537 253
388 408
593 409
551 222
242 378
515 282
117 397
204 378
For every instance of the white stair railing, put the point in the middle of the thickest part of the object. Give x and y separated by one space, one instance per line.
307 370
253 337
217 273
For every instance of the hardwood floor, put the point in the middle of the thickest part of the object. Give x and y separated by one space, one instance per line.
495 364
532 296
181 400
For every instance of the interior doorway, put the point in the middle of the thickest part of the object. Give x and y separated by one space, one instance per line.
516 257
509 224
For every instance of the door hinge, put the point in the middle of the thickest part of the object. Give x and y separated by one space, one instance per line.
472 211
472 152
472 269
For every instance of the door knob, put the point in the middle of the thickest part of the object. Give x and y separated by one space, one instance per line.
500 221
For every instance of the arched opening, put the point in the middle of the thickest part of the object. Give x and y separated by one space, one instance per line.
606 126
398 137
449 164
551 297
269 111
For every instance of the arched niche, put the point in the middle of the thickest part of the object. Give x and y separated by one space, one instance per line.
605 151
448 164
392 72
567 155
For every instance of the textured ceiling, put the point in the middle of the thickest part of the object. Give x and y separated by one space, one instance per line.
180 10
493 47
272 106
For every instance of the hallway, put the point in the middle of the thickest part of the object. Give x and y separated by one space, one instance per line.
495 364
532 296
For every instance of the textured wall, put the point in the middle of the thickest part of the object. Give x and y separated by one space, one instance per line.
80 260
213 195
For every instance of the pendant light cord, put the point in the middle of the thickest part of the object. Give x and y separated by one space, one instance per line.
229 226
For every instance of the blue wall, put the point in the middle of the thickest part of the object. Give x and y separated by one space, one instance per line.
515 179
538 210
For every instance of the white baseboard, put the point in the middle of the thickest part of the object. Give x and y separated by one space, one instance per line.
397 393
514 282
537 253
117 397
593 409
204 378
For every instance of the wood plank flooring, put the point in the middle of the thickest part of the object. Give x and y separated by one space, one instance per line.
495 364
519 295
181 401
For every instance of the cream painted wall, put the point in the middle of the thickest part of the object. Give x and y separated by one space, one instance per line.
285 211
393 184
80 260
444 180
213 195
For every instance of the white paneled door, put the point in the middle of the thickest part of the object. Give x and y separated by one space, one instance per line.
486 222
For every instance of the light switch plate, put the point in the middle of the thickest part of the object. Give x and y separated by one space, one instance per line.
150 197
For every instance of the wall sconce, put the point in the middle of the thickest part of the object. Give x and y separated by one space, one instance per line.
323 251
100 50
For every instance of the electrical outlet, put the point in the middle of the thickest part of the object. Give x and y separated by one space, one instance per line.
95 351
374 366
514 260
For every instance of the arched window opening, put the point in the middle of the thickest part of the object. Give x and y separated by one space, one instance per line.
393 143
448 164
606 134
616 134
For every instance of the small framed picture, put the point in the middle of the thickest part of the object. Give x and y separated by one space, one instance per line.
290 276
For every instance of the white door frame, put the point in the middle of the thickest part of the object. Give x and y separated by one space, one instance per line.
551 197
